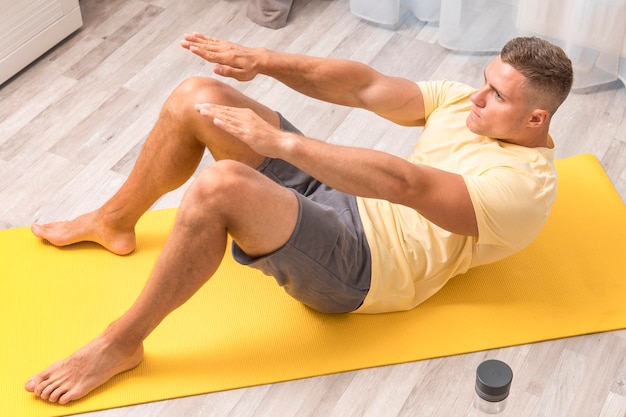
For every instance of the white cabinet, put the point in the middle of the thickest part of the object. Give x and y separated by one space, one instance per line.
29 28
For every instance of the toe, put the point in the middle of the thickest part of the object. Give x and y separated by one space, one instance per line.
57 395
30 385
66 397
46 391
36 229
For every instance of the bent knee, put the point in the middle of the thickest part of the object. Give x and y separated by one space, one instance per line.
204 90
224 181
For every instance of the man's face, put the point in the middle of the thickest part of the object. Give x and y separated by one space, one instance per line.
499 110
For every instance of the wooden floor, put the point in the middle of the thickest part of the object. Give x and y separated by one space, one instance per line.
71 126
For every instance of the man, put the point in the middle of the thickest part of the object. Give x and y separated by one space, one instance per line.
341 229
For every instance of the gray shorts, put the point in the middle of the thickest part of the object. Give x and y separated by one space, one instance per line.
326 263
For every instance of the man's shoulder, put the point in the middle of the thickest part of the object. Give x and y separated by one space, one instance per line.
446 87
443 93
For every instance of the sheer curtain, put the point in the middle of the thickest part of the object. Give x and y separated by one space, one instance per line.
592 32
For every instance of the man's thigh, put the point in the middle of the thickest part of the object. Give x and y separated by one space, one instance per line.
324 264
258 213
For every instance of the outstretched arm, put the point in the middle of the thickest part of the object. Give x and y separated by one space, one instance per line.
338 81
440 196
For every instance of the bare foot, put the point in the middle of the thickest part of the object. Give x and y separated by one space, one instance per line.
79 374
87 228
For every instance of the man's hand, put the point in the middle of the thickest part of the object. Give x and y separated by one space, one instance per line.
232 60
248 127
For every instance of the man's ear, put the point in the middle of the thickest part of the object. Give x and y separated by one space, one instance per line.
538 118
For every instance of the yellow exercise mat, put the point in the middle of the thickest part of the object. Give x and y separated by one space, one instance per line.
242 330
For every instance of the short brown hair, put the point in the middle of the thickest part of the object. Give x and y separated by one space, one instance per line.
548 70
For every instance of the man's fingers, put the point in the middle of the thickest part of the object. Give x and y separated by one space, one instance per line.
237 120
231 60
228 71
201 36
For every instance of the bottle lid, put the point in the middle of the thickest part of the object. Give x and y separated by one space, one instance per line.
493 380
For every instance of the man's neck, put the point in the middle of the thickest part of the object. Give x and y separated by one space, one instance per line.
538 140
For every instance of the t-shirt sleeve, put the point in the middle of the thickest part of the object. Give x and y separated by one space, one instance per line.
436 93
511 206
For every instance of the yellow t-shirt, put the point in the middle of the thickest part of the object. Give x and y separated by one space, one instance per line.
512 189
